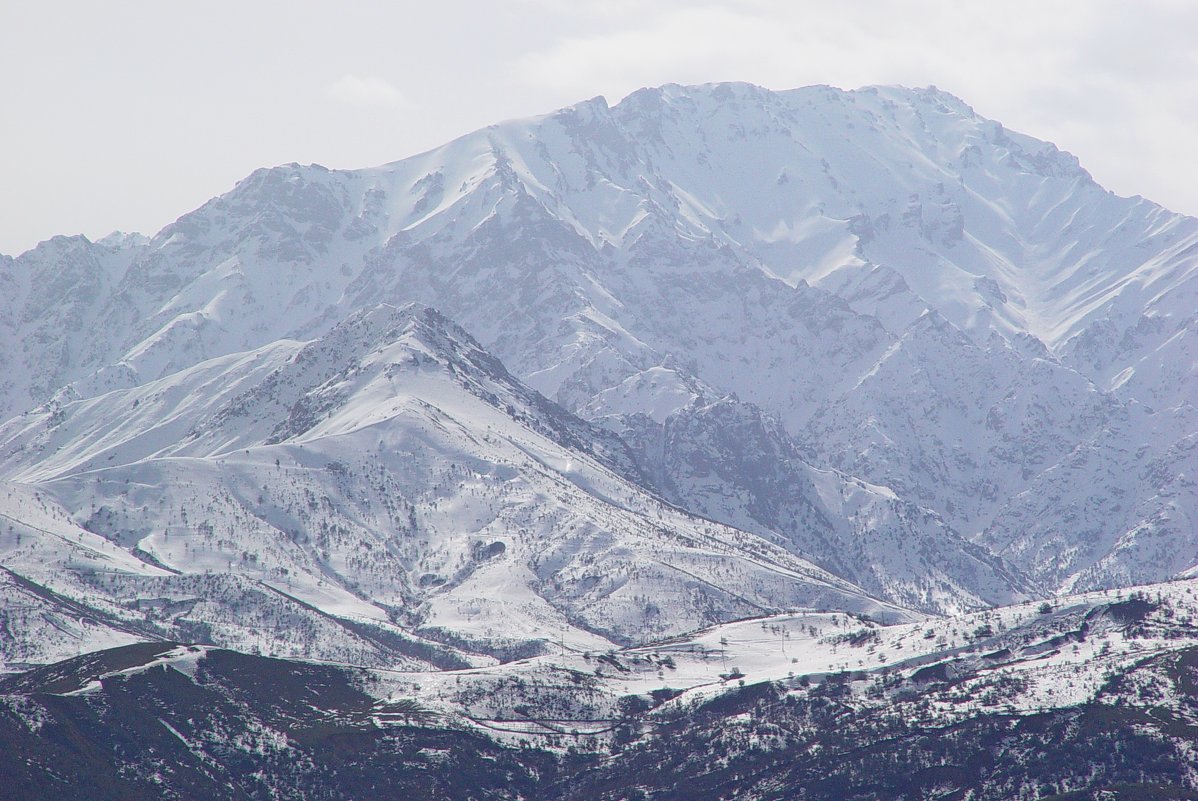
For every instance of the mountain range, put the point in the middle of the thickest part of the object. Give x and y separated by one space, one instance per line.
597 380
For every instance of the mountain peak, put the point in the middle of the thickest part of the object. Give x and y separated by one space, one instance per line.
385 322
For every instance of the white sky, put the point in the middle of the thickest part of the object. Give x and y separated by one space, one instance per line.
125 114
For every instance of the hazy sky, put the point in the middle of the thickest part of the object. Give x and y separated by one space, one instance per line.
124 115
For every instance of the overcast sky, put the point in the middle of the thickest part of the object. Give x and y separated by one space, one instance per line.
125 115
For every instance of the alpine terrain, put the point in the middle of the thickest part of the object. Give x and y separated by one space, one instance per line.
718 443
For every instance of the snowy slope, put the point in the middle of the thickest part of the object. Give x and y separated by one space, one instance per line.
1020 660
1117 511
956 426
1012 663
726 460
67 590
390 474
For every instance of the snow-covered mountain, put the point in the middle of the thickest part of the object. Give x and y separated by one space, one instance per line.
389 475
718 443
868 330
